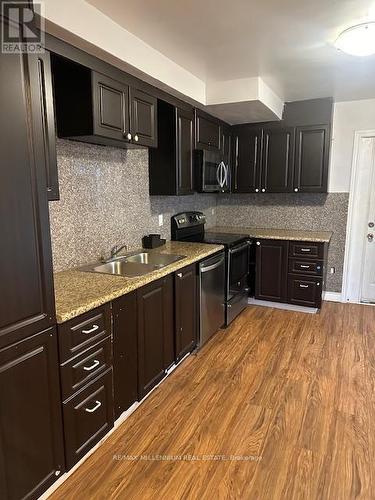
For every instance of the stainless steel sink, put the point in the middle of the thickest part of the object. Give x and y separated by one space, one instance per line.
133 265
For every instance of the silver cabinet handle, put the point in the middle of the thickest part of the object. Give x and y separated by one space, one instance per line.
136 138
98 404
303 286
129 136
305 249
94 365
179 275
304 267
93 329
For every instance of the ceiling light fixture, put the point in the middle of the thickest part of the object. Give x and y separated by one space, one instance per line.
358 40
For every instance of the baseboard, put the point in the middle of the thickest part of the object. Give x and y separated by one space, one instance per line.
281 305
332 296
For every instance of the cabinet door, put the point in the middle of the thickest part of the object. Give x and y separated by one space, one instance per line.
271 270
305 291
278 160
111 107
40 70
143 121
312 159
248 151
125 355
26 286
186 310
155 333
184 151
207 131
31 446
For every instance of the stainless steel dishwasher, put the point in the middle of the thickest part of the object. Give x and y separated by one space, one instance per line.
212 296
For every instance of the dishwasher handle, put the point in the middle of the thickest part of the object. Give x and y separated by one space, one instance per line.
213 266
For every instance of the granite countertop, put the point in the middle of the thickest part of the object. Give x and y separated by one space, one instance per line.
77 292
276 234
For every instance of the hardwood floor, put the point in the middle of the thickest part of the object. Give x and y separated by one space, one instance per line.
294 389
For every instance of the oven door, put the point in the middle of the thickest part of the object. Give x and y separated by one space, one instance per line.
238 269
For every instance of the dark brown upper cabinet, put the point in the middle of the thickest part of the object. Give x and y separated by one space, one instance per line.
40 67
207 131
271 270
26 284
31 451
277 160
171 163
312 159
156 350
186 310
247 160
95 108
125 352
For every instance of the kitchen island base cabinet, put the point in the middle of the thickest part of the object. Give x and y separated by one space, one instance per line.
31 444
125 352
156 350
186 310
271 270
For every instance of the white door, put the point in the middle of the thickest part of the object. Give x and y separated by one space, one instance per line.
368 269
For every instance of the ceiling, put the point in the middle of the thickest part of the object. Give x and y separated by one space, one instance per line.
287 43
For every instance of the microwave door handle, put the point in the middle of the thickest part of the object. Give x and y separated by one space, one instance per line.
218 175
222 174
225 169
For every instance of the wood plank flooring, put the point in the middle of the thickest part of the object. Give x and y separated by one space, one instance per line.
290 397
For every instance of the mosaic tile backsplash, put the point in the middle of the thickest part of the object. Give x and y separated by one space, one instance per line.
104 201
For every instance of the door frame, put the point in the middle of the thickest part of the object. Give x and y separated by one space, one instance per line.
354 253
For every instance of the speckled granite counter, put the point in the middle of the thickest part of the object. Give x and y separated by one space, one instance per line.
276 234
77 292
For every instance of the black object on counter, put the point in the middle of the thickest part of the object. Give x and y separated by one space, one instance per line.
152 241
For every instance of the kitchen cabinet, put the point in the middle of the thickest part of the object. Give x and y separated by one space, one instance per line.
26 285
207 131
40 70
185 310
278 160
271 270
95 108
312 159
125 352
248 160
31 446
171 163
156 350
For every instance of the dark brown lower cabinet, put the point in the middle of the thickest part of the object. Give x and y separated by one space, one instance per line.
271 270
156 350
125 352
186 310
305 291
31 444
88 416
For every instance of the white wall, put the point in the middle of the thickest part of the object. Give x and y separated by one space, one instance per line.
349 117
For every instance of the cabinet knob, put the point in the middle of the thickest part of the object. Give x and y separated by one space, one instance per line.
57 472
263 190
257 190
129 136
296 190
258 243
179 275
136 138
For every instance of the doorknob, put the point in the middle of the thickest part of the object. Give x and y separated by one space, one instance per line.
370 237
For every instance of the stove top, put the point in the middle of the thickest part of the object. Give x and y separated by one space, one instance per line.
225 239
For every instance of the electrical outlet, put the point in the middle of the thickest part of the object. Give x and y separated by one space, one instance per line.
212 211
161 220
332 270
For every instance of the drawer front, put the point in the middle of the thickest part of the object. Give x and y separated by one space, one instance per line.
306 249
309 267
85 367
305 291
88 416
80 333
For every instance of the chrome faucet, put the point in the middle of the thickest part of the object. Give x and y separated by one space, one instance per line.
115 250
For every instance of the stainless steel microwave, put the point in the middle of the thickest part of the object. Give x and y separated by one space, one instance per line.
213 175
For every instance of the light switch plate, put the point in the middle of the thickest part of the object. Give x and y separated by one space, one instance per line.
161 220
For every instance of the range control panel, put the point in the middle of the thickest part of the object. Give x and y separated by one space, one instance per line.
188 219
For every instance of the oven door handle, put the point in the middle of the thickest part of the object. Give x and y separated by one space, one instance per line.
239 248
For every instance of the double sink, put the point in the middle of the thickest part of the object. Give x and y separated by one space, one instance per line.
133 265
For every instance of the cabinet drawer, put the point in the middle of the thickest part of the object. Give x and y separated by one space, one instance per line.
309 267
85 367
81 332
88 416
306 249
305 291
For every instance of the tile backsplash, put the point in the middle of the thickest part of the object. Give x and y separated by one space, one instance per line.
104 201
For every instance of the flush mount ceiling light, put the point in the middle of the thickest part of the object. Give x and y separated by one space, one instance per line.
358 40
